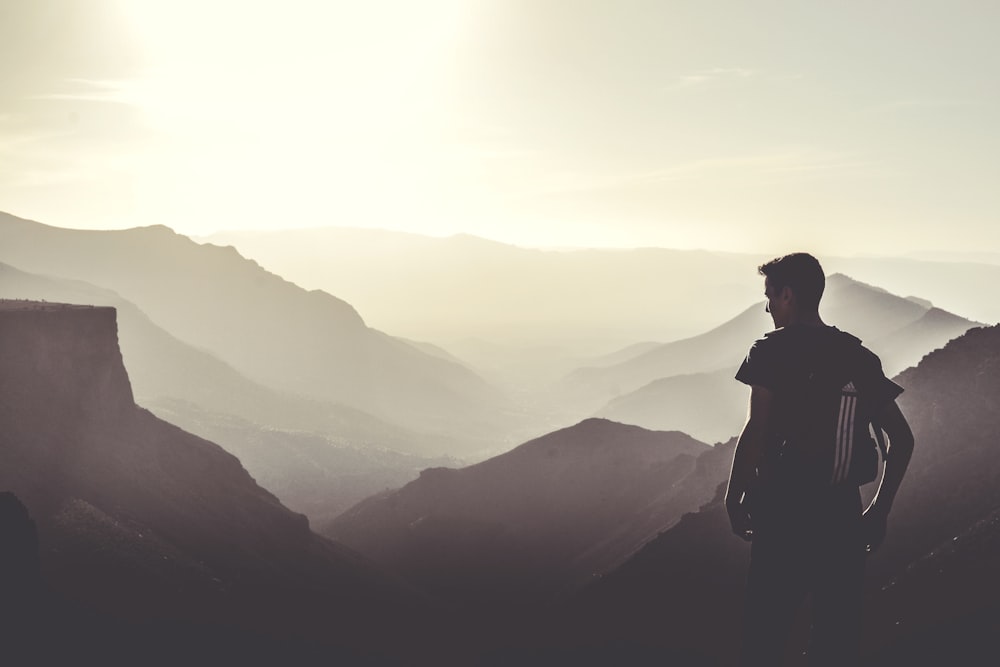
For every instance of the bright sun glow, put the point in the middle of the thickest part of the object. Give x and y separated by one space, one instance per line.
297 103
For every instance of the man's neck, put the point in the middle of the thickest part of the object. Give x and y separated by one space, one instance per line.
806 319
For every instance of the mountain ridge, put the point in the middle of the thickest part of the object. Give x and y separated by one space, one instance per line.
293 340
533 521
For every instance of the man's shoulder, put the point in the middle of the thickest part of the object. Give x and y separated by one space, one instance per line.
807 341
824 333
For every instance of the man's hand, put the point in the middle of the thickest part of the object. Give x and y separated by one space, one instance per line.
747 456
873 525
739 519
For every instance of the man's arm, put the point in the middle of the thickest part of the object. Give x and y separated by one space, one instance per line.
899 451
749 450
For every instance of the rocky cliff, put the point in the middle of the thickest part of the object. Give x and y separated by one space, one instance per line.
150 527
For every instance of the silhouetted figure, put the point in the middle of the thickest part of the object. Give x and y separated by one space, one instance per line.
799 461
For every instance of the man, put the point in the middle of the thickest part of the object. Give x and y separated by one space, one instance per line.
793 490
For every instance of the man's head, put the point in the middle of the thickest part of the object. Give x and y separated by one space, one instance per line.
793 285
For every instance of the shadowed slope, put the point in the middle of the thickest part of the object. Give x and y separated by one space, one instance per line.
953 483
534 521
319 457
146 524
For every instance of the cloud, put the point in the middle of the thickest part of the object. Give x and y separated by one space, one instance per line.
766 168
711 76
790 163
917 103
88 90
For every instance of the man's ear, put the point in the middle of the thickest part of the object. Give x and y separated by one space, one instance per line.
787 295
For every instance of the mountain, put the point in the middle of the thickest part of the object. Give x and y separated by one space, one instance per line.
532 522
711 405
449 289
904 347
318 457
943 607
162 533
719 348
312 473
946 505
419 286
268 329
162 367
954 285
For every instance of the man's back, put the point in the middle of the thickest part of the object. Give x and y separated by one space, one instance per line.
793 491
827 387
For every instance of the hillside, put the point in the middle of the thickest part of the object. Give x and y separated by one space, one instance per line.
535 521
145 525
712 406
951 491
266 328
418 286
318 457
449 289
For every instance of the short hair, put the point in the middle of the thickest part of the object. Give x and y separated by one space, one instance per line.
800 272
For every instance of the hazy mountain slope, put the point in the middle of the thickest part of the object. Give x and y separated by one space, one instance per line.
311 473
867 312
623 355
349 453
707 405
267 328
953 285
161 366
712 406
447 289
953 482
533 521
611 296
717 349
141 521
904 347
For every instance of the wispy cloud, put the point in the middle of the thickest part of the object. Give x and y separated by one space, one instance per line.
89 90
711 76
790 163
768 168
893 106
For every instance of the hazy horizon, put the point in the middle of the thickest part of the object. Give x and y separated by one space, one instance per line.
836 129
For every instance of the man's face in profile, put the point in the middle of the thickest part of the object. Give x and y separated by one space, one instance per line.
777 304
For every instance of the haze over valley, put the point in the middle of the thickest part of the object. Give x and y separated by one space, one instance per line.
481 489
404 334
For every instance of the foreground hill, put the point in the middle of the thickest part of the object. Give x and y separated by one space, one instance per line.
151 527
952 490
275 333
535 521
712 406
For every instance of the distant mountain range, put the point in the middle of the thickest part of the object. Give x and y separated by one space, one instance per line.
420 286
688 385
318 457
269 330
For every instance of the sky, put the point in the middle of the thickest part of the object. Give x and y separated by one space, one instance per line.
848 127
